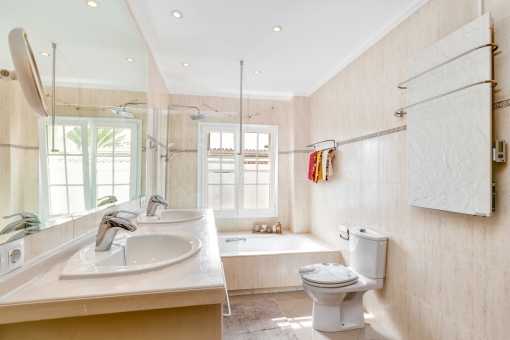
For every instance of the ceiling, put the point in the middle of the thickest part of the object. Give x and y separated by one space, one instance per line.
318 39
92 44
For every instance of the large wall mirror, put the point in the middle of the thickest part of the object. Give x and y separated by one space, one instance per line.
94 154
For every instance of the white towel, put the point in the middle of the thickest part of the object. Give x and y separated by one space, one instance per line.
327 172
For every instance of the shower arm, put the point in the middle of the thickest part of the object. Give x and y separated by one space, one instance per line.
132 103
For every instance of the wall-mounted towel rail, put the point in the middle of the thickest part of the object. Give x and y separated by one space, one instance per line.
331 145
494 48
400 112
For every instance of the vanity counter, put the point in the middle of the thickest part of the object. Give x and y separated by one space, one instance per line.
197 281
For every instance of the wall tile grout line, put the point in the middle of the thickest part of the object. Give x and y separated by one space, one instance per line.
19 147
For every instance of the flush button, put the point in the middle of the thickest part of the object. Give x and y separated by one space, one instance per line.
362 230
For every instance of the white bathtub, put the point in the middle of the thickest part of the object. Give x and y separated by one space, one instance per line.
255 263
248 244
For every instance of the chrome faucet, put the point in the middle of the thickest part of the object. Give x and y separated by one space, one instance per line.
106 200
109 226
153 204
28 221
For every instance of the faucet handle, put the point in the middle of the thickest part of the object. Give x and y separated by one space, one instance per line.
23 215
158 199
116 213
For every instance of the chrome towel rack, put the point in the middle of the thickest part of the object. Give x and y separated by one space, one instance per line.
494 48
401 112
314 145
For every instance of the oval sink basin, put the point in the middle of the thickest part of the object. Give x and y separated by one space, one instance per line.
132 254
171 216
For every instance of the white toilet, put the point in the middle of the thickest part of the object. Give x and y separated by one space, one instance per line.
337 291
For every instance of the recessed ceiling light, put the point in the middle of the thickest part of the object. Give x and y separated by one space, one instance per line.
130 59
92 3
185 64
256 71
177 14
44 54
277 28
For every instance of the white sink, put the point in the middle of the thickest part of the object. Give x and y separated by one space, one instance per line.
132 254
171 216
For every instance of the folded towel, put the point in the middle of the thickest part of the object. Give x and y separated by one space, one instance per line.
318 168
327 165
325 162
311 166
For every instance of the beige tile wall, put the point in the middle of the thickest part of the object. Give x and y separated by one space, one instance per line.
183 167
446 273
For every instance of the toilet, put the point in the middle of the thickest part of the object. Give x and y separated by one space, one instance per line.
337 291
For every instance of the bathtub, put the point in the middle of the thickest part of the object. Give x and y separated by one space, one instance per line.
252 244
256 263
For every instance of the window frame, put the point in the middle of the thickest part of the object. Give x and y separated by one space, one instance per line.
239 211
89 175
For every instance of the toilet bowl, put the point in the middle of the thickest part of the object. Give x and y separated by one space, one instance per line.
337 291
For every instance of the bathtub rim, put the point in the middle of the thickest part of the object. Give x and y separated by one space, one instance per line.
329 248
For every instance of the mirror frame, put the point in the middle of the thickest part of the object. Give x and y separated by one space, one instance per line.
26 71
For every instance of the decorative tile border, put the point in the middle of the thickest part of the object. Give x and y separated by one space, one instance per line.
357 139
19 147
501 104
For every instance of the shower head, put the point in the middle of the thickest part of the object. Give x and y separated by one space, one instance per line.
198 116
123 113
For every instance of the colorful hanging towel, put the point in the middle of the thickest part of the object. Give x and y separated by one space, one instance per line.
318 168
311 166
327 164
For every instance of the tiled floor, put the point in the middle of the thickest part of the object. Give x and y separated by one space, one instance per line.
297 307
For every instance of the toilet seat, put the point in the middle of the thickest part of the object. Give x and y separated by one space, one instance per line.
327 275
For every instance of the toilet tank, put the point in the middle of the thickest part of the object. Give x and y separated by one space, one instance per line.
367 252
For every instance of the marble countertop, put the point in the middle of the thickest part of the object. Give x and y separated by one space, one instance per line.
196 281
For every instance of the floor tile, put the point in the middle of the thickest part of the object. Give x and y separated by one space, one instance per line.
375 332
303 308
298 294
288 305
333 336
302 326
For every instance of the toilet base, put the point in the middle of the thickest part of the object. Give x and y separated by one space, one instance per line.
336 318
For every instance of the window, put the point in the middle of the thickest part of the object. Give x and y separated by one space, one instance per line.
251 192
79 173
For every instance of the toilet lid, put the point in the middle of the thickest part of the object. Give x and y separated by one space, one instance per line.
328 274
323 285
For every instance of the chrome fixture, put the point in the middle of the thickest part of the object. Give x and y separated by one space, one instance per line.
239 239
154 202
107 200
314 145
240 153
226 293
402 111
28 224
53 109
198 116
168 158
125 113
108 228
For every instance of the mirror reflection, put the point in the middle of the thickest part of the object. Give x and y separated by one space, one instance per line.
99 133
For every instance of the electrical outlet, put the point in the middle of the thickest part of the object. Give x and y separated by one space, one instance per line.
143 201
12 256
15 257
